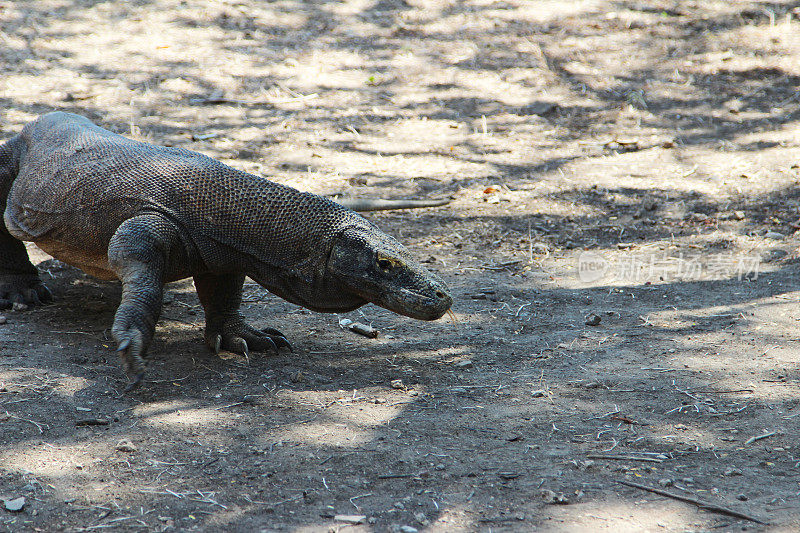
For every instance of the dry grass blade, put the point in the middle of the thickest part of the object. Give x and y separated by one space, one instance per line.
708 506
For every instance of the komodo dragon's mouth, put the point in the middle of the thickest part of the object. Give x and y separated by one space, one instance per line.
414 304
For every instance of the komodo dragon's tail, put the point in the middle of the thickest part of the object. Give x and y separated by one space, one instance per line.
9 161
378 204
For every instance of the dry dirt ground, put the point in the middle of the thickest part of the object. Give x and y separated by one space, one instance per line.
621 248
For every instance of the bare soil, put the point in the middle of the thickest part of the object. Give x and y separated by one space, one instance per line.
621 248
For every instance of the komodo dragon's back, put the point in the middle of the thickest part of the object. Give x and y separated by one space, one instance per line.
147 214
77 176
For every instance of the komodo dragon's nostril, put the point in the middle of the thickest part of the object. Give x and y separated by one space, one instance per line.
440 294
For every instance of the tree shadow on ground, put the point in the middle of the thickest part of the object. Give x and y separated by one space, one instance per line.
471 439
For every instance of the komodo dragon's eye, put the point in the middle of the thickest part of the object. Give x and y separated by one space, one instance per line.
386 263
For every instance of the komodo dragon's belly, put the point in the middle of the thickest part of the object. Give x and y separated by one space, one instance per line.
79 247
93 264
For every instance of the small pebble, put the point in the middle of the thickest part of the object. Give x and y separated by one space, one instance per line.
548 496
464 364
730 472
126 446
539 393
350 518
16 505
774 235
3 319
665 482
537 108
742 497
408 529
593 320
397 384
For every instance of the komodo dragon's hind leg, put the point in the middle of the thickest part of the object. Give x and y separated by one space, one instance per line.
138 253
221 295
19 279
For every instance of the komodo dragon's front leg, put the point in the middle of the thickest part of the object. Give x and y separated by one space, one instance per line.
221 296
139 253
19 279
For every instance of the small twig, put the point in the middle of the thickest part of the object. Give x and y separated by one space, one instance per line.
110 523
38 426
92 422
708 506
616 443
751 440
721 391
689 172
229 405
359 496
297 98
275 504
393 476
624 458
610 413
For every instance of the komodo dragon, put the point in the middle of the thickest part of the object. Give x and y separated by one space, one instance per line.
147 215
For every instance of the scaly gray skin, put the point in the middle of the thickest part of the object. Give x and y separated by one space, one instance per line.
148 215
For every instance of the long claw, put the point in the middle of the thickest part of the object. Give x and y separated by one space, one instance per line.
245 349
217 344
278 339
124 345
45 296
281 342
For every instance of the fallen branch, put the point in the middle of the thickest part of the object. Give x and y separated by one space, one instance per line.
624 458
751 440
708 506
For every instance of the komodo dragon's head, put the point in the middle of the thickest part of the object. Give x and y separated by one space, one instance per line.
377 268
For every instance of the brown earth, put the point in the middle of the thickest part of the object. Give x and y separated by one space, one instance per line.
655 143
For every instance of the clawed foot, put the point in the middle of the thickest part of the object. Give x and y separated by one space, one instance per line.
239 337
22 290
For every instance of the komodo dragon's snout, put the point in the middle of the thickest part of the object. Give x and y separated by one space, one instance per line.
381 271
